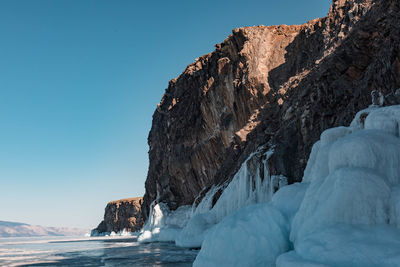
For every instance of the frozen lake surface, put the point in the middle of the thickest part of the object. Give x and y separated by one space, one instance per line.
91 251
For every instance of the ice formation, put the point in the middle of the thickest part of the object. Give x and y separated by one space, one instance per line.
346 212
247 187
246 234
346 245
163 224
124 232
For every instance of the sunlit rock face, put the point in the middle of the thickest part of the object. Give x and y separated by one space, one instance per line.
121 215
277 86
211 107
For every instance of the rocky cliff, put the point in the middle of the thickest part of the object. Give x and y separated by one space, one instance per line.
120 215
277 86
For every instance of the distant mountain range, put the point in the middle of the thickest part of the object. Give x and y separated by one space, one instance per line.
15 229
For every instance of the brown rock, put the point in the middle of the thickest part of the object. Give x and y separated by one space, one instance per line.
122 214
270 85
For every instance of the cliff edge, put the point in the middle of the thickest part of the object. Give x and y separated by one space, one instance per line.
272 86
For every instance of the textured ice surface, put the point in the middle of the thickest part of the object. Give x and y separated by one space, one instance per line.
331 135
244 189
253 236
194 232
359 119
292 259
288 199
206 203
319 168
163 224
374 150
346 245
348 195
395 206
351 208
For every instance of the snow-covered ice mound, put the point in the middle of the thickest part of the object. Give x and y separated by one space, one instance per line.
346 212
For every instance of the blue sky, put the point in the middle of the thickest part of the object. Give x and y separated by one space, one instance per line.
79 81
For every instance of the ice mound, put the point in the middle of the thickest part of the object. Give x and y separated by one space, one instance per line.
346 212
368 149
288 199
331 135
346 245
253 236
350 208
348 195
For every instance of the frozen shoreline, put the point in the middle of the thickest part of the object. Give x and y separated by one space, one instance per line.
350 187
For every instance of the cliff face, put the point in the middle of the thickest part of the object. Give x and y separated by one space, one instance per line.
119 215
278 86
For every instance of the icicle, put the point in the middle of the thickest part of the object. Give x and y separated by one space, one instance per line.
246 187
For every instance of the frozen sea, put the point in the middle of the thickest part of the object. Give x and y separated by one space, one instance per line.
91 251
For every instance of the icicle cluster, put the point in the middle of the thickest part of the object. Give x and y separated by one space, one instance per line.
245 188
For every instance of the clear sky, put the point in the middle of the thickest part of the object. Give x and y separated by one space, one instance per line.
79 81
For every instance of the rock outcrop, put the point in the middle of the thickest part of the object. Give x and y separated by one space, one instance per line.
120 215
277 86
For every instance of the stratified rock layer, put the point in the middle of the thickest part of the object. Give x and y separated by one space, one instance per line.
119 215
278 86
